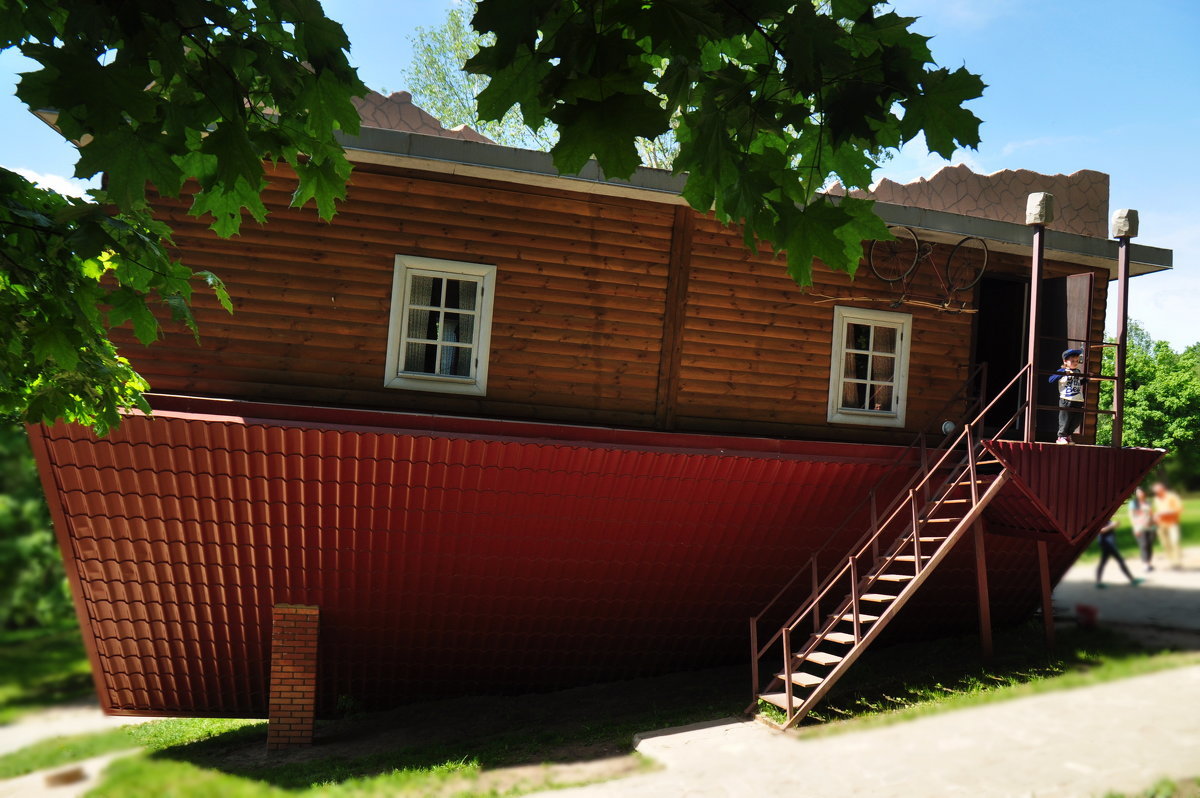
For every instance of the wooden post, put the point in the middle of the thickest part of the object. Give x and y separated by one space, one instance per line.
1047 598
1039 211
673 317
1124 227
985 604
293 697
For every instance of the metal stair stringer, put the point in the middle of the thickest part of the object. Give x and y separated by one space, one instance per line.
850 609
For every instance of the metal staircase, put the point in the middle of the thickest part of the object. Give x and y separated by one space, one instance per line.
868 586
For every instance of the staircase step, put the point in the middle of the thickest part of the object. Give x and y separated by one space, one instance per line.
839 637
941 520
879 597
780 700
803 679
862 617
822 658
894 578
911 557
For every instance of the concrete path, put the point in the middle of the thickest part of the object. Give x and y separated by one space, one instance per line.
1121 736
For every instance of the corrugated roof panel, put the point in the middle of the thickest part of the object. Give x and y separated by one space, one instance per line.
552 561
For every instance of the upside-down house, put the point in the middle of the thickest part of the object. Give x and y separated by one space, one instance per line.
496 429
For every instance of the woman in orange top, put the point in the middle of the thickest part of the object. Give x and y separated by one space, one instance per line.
1167 510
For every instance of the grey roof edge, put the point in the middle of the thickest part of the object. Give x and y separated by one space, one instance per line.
394 146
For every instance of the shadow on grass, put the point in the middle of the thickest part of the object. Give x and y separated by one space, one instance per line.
598 722
927 673
567 727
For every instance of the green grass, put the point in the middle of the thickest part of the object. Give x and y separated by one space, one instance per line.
59 751
469 747
40 668
947 674
1188 788
1189 531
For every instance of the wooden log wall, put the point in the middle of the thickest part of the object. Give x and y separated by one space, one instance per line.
608 310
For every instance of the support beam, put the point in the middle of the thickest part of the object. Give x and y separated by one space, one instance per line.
1124 227
1039 211
1047 597
293 697
985 604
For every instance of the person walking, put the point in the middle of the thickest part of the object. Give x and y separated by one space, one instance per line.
1144 530
1108 548
1168 509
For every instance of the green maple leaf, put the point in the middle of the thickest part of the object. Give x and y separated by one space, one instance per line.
938 110
516 82
587 127
832 233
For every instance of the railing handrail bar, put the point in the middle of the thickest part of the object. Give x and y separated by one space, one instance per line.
901 498
901 458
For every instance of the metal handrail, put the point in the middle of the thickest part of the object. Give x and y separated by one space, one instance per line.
810 566
906 497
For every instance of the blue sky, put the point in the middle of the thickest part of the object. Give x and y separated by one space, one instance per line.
1072 84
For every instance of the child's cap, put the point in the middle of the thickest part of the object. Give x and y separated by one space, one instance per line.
1072 353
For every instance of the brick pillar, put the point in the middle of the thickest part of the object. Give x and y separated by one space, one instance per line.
293 698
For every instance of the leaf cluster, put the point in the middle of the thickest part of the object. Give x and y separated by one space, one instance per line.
153 94
772 101
1161 402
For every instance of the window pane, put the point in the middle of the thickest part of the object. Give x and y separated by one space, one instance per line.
456 361
420 358
885 339
425 291
881 398
458 327
858 336
853 395
856 366
460 294
883 368
422 324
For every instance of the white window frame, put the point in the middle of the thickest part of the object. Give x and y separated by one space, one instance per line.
408 266
902 323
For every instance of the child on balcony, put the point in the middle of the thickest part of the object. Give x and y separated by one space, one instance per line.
1070 395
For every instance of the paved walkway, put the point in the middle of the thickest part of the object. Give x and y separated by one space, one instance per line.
1121 736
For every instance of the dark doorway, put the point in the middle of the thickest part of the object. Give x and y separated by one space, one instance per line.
1066 312
1000 336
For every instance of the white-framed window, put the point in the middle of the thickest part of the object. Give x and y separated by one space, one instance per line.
440 326
868 375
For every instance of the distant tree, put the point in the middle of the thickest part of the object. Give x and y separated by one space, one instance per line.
438 84
770 101
1161 404
34 590
154 93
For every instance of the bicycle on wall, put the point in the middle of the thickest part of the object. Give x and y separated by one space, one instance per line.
895 261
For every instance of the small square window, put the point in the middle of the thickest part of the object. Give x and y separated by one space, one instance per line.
440 325
869 367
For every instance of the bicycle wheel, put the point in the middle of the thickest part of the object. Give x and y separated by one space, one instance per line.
966 263
892 261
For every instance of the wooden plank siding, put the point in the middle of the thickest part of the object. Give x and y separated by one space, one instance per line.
608 310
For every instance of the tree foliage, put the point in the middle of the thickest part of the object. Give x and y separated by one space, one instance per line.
34 590
154 94
772 100
1161 402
